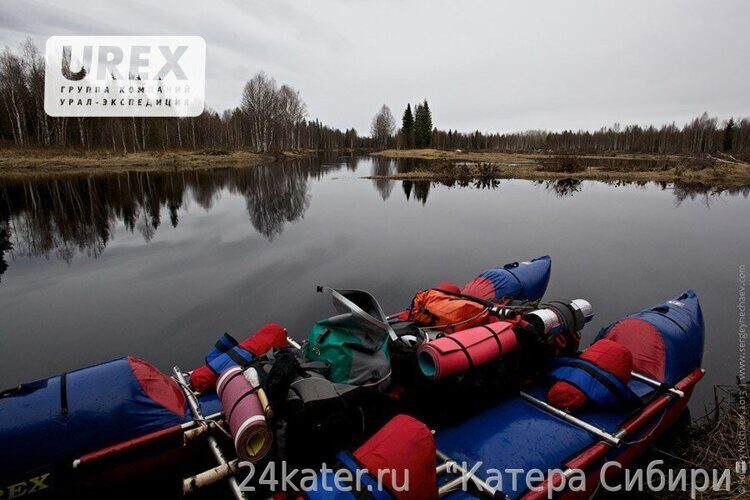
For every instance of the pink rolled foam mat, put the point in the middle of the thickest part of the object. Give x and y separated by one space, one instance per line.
244 412
458 352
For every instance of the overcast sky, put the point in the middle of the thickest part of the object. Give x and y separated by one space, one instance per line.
490 65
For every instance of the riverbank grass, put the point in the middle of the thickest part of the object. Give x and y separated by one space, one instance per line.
440 165
18 162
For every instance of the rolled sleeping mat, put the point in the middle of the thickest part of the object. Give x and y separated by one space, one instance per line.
245 414
461 351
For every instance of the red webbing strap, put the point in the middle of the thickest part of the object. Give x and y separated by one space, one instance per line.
119 450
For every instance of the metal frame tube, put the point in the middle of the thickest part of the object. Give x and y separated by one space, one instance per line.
212 443
451 485
209 477
606 436
655 383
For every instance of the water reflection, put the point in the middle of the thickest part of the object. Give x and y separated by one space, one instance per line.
64 215
381 169
692 191
420 189
5 246
562 187
681 191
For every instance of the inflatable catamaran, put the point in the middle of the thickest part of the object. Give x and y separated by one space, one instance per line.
619 418
266 399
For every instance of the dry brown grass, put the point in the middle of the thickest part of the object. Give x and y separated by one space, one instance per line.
447 165
19 162
712 442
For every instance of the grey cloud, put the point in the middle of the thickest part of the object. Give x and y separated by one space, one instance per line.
484 65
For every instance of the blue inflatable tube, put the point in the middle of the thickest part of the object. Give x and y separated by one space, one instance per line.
517 280
517 434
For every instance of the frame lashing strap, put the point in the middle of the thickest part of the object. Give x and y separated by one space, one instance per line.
497 340
621 393
234 405
464 349
231 377
239 360
64 394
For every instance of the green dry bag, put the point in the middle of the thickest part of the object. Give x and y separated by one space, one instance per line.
354 343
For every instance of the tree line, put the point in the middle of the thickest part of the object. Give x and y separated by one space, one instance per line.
273 117
270 117
704 134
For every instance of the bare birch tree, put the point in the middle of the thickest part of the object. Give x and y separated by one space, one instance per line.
383 126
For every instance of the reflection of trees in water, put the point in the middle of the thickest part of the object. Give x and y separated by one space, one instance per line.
561 187
5 246
681 190
275 195
65 215
381 169
421 190
385 167
688 191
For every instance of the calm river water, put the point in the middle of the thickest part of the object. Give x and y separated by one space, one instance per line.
158 265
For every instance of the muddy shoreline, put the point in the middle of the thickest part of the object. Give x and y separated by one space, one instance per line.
453 166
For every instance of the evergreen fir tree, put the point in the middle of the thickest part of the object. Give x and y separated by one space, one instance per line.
422 125
407 127
728 135
428 121
418 125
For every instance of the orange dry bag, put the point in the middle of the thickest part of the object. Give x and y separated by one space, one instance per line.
446 311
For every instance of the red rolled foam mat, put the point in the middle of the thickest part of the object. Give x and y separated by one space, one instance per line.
457 352
244 412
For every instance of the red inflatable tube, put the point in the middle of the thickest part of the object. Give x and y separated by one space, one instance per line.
598 452
460 351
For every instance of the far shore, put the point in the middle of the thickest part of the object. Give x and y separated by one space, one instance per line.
430 164
23 162
438 165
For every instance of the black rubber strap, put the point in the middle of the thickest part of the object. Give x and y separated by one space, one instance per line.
566 314
64 394
231 377
234 405
585 366
239 360
494 336
470 298
221 346
464 349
